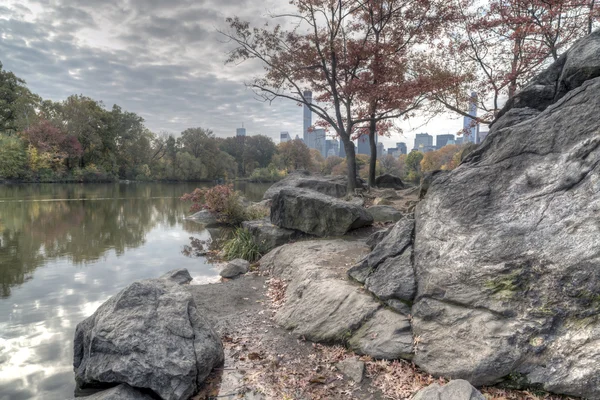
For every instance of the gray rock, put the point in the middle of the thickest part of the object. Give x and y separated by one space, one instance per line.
386 336
394 244
353 368
506 252
335 186
389 181
377 237
204 217
180 276
399 306
269 236
322 306
384 213
514 116
121 392
454 390
151 336
234 268
315 213
394 278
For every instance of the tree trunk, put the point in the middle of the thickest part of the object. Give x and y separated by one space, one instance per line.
373 146
351 164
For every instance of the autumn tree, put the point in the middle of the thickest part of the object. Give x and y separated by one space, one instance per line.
322 53
294 155
17 103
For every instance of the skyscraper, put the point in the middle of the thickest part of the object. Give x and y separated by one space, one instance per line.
470 125
442 140
402 147
309 138
423 140
363 144
380 150
240 131
333 147
319 138
284 137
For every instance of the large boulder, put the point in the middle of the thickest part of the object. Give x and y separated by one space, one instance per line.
150 335
335 186
315 213
269 236
389 181
506 249
384 213
322 305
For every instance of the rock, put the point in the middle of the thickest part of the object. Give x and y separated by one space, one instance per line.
389 181
454 390
382 202
315 213
353 368
514 116
335 186
386 336
180 276
321 305
121 392
427 179
377 237
204 217
149 335
394 244
506 249
384 213
269 236
234 268
389 194
394 278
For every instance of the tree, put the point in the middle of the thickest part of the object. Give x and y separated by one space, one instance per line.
413 165
440 159
295 155
502 44
17 103
13 159
321 56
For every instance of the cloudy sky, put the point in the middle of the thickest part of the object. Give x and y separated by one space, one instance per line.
162 59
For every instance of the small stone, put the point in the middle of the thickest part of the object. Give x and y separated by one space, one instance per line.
235 268
353 368
454 390
180 276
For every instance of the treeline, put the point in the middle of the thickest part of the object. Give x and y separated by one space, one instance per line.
80 140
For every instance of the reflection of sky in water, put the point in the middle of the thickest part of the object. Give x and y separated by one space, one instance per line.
38 318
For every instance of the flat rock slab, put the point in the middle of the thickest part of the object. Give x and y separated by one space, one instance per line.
454 390
121 392
335 186
150 335
269 236
315 213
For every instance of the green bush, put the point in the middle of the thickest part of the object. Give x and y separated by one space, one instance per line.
267 175
13 158
241 245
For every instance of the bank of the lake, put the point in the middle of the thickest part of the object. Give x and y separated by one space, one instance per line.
64 250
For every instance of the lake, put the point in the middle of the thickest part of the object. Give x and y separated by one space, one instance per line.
64 250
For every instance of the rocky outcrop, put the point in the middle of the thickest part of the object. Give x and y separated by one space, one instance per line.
150 335
389 181
322 305
506 245
454 390
315 213
335 186
269 236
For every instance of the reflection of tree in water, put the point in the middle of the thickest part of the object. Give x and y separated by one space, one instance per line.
87 222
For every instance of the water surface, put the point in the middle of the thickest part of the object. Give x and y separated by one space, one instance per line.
64 250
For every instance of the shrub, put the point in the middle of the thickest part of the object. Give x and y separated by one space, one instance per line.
267 175
241 245
220 200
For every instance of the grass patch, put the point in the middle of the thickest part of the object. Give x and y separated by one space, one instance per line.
241 245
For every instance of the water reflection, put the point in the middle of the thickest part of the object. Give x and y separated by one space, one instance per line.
64 249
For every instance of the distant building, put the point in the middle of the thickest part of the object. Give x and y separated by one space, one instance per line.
380 150
333 147
427 149
402 147
240 131
284 137
443 140
394 152
470 125
459 140
423 140
319 140
309 137
363 144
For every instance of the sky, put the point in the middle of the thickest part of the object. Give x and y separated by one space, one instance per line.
162 59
